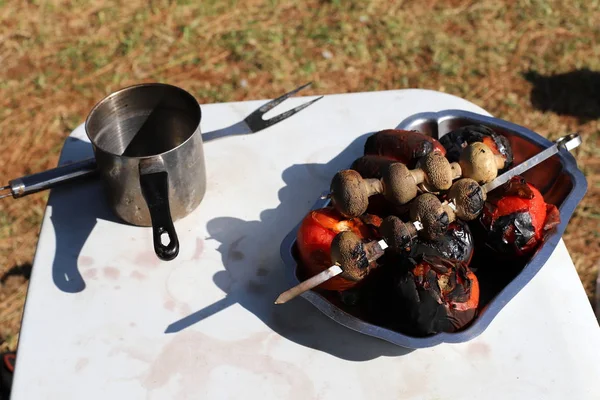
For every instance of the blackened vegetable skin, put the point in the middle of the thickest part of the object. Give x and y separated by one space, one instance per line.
454 142
517 218
435 295
456 244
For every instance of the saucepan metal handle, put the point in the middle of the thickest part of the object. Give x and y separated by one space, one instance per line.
155 189
49 179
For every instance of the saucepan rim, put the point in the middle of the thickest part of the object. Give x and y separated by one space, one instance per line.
103 101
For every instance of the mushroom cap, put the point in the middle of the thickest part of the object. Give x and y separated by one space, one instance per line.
348 250
348 193
396 233
399 186
478 162
468 197
428 210
438 172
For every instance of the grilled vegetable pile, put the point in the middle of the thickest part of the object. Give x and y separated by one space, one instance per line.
414 236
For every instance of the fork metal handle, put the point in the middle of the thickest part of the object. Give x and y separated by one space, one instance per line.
49 179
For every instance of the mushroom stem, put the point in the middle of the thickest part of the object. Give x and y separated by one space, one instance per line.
375 249
418 175
449 209
456 170
373 186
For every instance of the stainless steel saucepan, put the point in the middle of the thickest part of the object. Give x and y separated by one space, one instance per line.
148 149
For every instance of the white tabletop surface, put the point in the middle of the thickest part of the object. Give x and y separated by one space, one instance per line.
105 319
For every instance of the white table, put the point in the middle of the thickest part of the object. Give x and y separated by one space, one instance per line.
105 319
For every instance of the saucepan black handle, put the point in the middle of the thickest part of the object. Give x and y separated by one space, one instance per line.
155 189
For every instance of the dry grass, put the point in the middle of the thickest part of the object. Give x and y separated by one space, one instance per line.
59 57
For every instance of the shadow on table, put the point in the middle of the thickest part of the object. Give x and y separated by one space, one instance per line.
254 281
76 208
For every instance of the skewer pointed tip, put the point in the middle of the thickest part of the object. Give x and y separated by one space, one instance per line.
280 300
287 295
309 284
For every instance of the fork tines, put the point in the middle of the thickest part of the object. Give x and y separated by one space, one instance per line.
255 120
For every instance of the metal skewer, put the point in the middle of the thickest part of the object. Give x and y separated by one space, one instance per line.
316 280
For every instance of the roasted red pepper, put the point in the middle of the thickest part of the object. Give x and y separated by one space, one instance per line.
316 232
517 218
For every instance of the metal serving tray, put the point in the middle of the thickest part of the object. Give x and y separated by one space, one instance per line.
558 179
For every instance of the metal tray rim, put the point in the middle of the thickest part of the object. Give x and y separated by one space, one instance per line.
537 261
